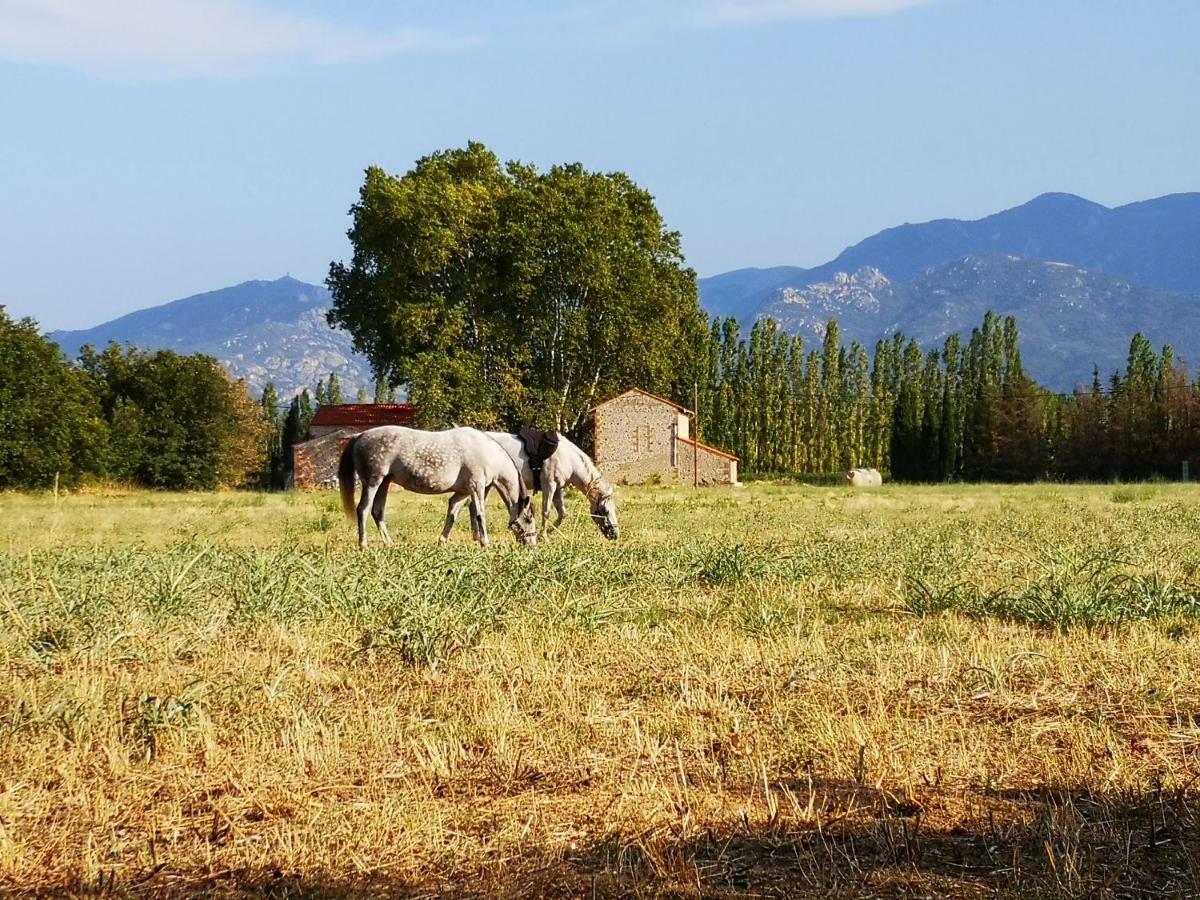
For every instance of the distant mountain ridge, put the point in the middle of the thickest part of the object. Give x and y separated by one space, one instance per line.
1152 242
1081 279
260 331
1131 267
1070 318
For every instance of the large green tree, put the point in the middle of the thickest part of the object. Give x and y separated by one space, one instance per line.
176 421
500 294
50 424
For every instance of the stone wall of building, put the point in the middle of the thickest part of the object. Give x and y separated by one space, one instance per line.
315 462
714 467
635 439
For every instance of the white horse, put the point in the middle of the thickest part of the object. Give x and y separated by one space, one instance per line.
567 467
462 462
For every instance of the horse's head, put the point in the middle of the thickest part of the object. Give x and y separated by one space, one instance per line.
604 511
522 521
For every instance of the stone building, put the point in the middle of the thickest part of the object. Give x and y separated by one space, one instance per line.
643 437
315 462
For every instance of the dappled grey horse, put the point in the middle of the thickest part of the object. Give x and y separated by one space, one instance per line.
463 462
567 466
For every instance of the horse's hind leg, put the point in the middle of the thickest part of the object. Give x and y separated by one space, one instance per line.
378 508
370 484
452 510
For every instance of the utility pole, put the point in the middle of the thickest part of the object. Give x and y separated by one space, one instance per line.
696 436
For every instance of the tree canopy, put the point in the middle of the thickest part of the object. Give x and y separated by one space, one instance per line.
159 420
176 421
50 424
500 294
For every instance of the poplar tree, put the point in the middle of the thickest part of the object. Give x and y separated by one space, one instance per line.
276 467
333 390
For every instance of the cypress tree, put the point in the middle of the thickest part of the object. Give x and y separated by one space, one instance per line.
333 392
275 463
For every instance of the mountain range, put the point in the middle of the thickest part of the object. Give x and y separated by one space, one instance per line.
1080 278
1069 318
260 331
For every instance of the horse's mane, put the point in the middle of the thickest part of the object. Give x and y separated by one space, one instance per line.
597 484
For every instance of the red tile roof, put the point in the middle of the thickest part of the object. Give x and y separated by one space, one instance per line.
364 415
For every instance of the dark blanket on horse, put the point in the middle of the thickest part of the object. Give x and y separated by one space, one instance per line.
539 447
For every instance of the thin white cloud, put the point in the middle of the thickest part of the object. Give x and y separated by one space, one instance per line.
190 37
761 12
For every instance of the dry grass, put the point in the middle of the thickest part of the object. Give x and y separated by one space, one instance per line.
778 690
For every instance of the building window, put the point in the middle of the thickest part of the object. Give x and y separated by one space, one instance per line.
643 439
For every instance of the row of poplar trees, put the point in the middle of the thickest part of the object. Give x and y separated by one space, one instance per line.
964 411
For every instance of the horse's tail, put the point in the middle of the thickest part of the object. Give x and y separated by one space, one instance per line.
346 477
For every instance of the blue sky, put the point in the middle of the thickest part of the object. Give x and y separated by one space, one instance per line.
151 149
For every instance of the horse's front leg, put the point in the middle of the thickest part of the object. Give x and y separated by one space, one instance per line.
379 507
478 502
474 522
452 510
558 504
547 498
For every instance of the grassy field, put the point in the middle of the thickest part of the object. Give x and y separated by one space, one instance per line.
767 691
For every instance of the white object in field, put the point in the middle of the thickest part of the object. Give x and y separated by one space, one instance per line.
864 478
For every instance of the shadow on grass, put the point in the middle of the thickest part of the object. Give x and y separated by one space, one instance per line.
829 839
861 841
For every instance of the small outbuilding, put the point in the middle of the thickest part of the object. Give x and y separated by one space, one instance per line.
642 437
315 462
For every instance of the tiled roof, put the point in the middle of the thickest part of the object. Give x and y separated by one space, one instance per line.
694 443
364 415
671 403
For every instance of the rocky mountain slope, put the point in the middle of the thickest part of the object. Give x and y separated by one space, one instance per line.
259 330
1080 278
1070 318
